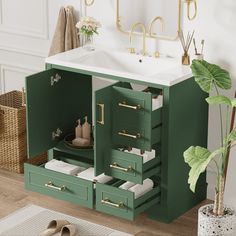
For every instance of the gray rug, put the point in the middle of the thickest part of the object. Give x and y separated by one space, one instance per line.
31 220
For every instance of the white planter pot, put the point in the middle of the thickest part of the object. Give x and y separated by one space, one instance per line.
210 225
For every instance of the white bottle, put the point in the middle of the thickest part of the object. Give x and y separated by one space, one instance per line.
86 130
78 130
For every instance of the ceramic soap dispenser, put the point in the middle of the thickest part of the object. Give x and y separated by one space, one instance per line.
86 130
78 130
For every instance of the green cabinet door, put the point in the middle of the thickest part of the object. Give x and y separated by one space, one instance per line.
132 118
102 127
56 99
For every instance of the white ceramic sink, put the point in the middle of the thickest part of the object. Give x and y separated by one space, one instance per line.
119 63
125 62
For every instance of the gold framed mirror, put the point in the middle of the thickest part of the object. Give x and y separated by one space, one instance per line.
161 21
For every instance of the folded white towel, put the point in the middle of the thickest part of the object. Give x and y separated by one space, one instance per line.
127 185
87 174
140 189
147 156
63 167
102 178
157 102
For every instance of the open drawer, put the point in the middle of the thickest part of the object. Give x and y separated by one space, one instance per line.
112 200
58 185
130 167
136 119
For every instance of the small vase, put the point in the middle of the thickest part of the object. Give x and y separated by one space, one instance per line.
212 225
88 42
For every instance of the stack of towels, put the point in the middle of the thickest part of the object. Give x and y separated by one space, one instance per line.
89 175
147 156
63 167
83 173
157 102
138 189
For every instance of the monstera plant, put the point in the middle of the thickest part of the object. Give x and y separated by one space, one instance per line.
213 79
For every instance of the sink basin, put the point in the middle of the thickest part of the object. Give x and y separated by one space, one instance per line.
125 63
113 64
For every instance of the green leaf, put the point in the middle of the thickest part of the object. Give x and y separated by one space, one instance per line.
232 136
198 159
218 100
207 74
233 102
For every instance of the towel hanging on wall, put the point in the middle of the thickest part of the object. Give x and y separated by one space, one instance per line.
65 37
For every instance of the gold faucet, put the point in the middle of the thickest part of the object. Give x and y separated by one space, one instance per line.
158 18
150 32
132 50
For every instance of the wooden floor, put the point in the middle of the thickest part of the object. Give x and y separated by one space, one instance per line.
13 196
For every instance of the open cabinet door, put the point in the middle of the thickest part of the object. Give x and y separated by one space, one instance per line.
55 99
102 127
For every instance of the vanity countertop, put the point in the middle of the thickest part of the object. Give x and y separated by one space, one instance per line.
115 64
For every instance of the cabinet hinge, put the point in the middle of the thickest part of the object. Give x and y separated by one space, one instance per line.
55 79
56 134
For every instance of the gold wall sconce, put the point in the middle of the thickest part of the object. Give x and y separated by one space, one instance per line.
89 2
189 4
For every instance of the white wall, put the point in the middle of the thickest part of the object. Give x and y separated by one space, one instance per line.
216 23
26 29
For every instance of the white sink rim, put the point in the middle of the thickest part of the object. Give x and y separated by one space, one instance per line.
169 77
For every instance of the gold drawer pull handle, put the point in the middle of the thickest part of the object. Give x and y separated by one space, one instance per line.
50 185
109 203
124 104
125 134
102 121
116 166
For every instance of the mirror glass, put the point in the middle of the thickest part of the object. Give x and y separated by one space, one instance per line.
144 11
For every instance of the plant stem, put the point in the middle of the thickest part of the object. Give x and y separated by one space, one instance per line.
216 203
229 144
220 210
221 119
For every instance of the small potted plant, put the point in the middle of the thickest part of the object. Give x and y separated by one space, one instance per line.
214 219
87 27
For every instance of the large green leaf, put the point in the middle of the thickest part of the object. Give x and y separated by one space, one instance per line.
218 100
207 74
198 159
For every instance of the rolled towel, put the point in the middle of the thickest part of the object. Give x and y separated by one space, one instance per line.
87 174
63 167
102 178
147 156
157 102
127 185
140 189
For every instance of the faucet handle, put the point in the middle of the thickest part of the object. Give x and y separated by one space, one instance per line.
156 54
131 50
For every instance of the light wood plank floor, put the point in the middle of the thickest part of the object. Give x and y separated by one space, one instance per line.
13 196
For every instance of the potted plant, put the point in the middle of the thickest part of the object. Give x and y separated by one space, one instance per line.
87 27
214 219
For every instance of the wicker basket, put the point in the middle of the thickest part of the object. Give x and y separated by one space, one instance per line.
13 144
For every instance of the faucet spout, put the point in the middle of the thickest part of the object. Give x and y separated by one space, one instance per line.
156 19
144 35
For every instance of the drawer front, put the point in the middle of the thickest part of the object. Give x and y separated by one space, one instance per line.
58 185
118 202
114 201
130 167
126 134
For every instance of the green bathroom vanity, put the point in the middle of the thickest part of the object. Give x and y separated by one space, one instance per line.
61 94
